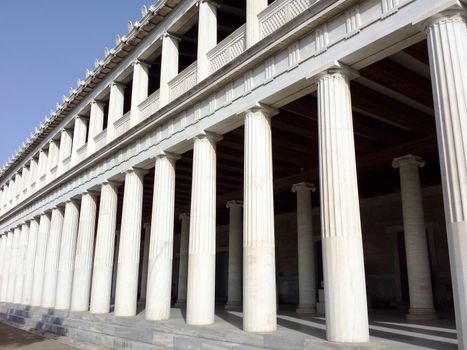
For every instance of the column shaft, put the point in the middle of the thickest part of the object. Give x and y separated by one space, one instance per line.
161 246
259 266
169 66
23 246
96 123
29 262
305 245
344 273
207 35
234 287
144 268
202 241
139 89
130 240
67 255
13 266
116 104
253 8
6 267
447 48
84 252
183 260
39 260
52 259
105 245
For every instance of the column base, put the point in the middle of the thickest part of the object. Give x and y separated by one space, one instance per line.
306 309
180 303
233 306
422 314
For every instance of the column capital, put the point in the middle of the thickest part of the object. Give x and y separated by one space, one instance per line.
210 2
337 69
171 36
234 204
98 102
448 16
72 200
183 216
138 171
261 107
303 186
408 159
170 156
213 137
141 63
112 183
117 84
91 192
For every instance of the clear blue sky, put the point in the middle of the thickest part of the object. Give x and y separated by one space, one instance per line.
46 46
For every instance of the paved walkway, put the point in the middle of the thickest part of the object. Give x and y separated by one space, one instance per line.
14 338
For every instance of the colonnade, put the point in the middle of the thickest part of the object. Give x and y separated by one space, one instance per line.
51 261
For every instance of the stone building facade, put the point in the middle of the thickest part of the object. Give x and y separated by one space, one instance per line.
258 154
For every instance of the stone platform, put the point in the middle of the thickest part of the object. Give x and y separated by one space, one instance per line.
389 330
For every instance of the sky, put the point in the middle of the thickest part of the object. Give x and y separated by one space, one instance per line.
45 46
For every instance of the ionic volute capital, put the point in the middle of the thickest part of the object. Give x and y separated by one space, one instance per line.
234 204
408 159
303 186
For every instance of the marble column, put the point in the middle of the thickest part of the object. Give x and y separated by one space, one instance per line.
234 286
52 258
126 293
66 142
13 266
3 238
6 266
306 250
259 265
23 246
161 246
202 240
416 245
183 260
67 255
253 8
116 105
84 253
139 90
29 261
207 35
447 50
104 252
144 268
343 267
96 123
169 66
39 260
79 137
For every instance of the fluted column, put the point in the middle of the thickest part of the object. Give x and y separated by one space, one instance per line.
23 246
39 260
3 242
144 268
253 8
202 241
139 90
52 258
84 252
130 239
416 245
6 266
13 265
234 286
183 260
344 273
161 247
169 66
67 255
447 48
259 266
29 261
104 252
306 252
207 35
